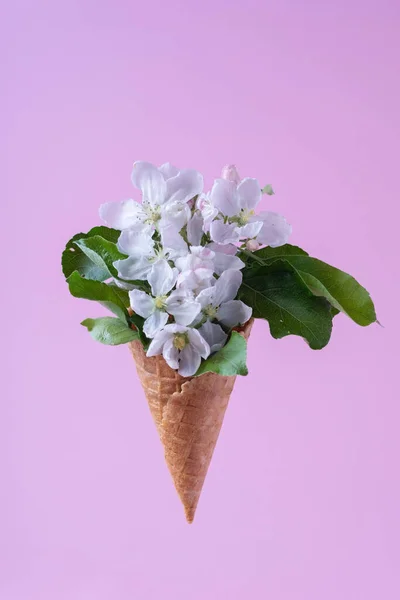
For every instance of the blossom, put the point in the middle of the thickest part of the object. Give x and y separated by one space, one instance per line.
142 253
155 308
196 269
207 210
275 230
182 348
224 257
214 335
217 302
184 244
195 227
224 233
236 203
165 191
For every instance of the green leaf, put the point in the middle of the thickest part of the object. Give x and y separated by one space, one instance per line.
110 331
267 189
268 254
101 252
230 360
277 293
339 288
112 297
73 259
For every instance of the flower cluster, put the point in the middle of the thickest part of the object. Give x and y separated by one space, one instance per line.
184 244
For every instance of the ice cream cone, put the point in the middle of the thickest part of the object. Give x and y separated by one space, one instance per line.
188 413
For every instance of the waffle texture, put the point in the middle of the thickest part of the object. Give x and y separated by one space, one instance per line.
188 413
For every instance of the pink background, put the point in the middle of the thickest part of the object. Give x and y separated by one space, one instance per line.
302 499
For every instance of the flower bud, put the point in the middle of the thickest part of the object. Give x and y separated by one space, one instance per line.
252 245
230 173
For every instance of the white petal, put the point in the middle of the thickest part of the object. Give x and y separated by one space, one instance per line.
249 191
225 248
199 258
168 170
175 328
225 197
198 342
275 231
214 335
222 262
161 338
224 233
206 254
183 307
192 280
172 240
189 361
162 278
187 184
203 284
251 230
227 286
133 268
141 303
207 209
233 313
195 229
206 297
147 178
171 354
154 323
136 243
121 215
175 214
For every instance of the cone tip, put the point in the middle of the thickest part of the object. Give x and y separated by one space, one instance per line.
189 512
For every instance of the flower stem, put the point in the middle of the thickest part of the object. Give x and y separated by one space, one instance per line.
256 258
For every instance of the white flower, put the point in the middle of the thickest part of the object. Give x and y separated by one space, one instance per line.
237 202
175 216
142 253
217 302
195 229
168 170
196 269
275 230
224 257
224 233
156 308
182 348
136 241
164 191
140 262
214 335
207 210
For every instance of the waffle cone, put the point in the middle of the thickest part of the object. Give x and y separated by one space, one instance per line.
188 413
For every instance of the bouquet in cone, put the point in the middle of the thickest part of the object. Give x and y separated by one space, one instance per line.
185 272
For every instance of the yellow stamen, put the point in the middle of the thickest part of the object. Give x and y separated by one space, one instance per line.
180 341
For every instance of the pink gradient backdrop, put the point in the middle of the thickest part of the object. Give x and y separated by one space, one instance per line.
302 499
